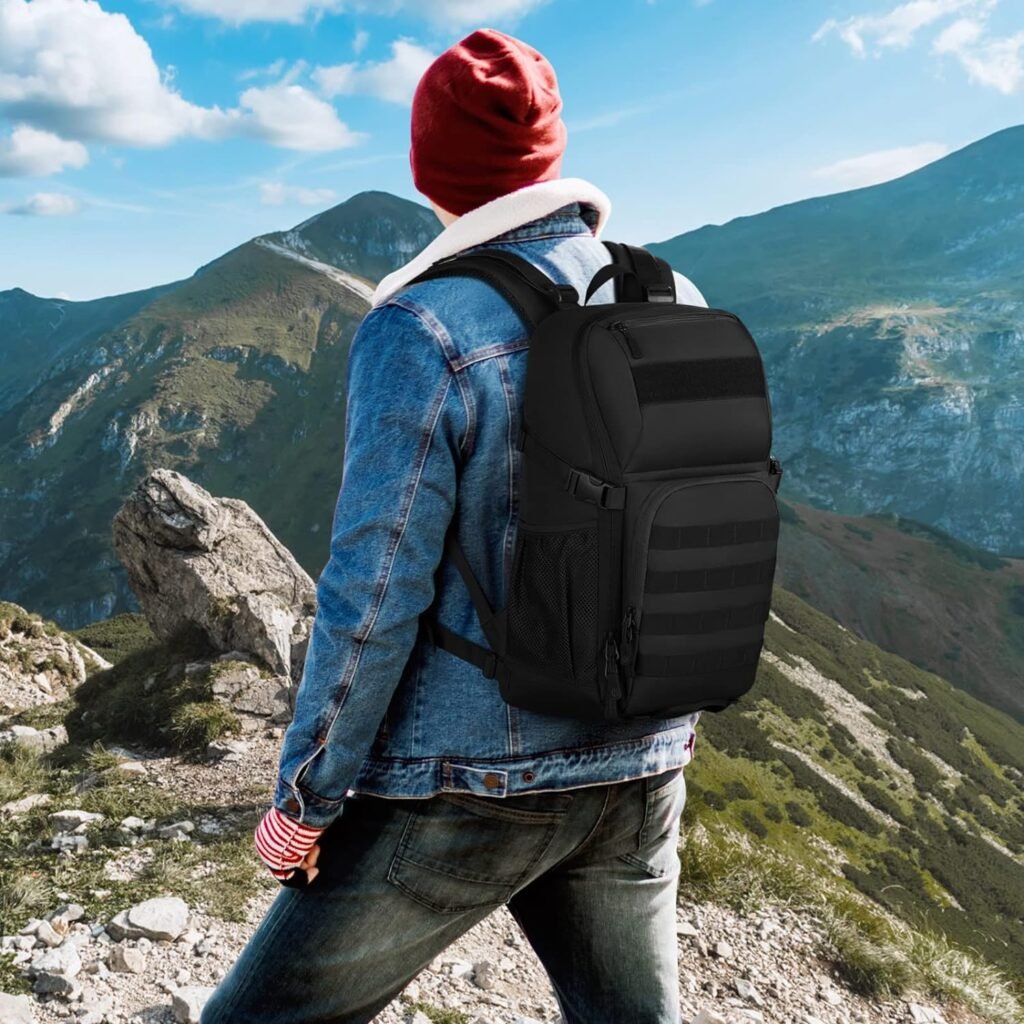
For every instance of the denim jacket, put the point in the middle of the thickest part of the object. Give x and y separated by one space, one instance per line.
435 385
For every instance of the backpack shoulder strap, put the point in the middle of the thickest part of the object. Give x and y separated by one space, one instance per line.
650 278
530 291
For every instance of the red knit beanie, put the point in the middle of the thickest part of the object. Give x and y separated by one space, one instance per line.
485 121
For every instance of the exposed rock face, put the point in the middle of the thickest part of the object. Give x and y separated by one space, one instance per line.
39 663
213 563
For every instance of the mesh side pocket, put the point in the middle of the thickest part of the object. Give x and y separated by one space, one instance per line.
552 606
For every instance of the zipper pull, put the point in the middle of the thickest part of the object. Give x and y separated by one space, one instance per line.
628 338
628 636
611 671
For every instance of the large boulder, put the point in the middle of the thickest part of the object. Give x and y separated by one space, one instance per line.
196 560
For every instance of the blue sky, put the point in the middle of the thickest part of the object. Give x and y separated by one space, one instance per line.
139 140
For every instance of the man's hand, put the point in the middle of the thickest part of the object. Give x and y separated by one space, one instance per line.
285 845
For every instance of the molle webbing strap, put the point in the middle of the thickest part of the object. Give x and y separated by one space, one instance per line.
725 577
713 535
718 659
710 620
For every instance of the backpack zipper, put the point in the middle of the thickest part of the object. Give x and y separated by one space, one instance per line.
621 327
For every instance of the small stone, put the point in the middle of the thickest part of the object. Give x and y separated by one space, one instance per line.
15 1009
686 930
172 831
706 1016
187 1003
745 990
411 993
26 803
126 959
723 950
484 975
48 935
162 917
72 818
418 1017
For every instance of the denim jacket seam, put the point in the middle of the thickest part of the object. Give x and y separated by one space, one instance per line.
501 348
576 748
384 578
444 342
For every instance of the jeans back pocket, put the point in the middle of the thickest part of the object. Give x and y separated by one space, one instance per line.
460 851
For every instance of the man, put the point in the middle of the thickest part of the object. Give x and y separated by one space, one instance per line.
413 798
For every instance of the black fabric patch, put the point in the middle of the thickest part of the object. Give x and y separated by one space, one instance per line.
710 535
699 379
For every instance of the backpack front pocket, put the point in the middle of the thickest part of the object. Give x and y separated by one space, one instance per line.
700 568
552 602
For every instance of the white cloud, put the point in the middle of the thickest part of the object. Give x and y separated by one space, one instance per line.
882 165
271 70
33 153
290 116
992 61
897 28
275 193
69 67
393 79
362 37
74 73
452 13
46 204
989 61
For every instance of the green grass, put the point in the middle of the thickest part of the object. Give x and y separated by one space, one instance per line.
147 698
117 637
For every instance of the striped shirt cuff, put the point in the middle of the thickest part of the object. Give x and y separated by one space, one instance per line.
283 843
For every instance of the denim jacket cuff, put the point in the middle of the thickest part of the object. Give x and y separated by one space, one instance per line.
304 806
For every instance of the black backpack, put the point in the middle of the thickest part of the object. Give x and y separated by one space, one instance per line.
648 525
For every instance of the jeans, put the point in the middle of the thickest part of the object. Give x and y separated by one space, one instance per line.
589 873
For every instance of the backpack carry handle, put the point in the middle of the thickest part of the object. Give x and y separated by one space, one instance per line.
606 273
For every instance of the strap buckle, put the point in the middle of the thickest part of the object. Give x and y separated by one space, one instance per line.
590 488
490 665
566 294
659 293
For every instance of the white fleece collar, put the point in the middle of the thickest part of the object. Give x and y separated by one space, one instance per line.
496 217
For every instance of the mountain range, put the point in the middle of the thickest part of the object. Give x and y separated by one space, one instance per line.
890 320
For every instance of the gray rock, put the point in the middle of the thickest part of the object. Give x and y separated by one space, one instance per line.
15 1009
67 820
126 959
686 930
26 803
706 1016
187 1002
162 917
194 560
48 935
484 974
745 990
55 969
178 828
723 950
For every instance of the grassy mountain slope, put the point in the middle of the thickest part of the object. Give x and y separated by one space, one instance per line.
36 332
891 320
848 758
938 602
229 376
